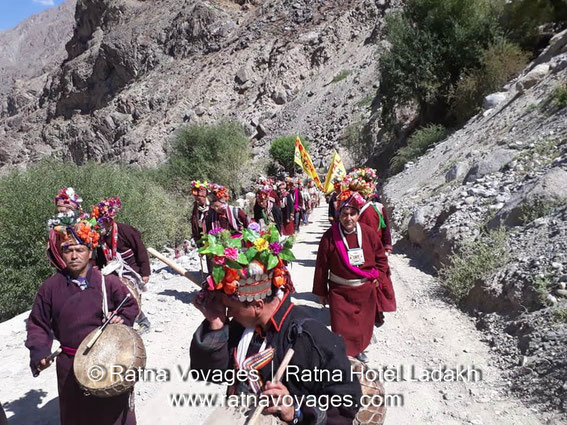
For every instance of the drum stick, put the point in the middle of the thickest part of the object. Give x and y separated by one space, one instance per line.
105 324
175 266
279 373
52 356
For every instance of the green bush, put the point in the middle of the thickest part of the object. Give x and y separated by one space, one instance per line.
340 76
421 140
27 203
476 261
499 63
282 150
432 43
559 96
217 153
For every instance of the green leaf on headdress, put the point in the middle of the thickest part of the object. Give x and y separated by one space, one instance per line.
233 264
251 253
234 243
212 239
288 243
218 273
272 261
263 257
204 250
243 259
249 235
217 249
287 255
274 234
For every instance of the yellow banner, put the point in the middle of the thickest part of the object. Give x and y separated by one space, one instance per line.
301 158
336 170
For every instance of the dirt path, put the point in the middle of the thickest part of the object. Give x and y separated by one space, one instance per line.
424 334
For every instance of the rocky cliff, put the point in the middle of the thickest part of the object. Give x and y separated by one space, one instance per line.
136 71
506 168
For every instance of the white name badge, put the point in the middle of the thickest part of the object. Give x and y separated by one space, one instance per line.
356 256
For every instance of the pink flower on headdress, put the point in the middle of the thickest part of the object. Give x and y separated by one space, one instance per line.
219 260
276 248
215 231
231 253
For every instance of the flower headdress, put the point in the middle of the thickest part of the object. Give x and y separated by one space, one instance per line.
87 231
106 209
350 198
361 180
199 189
247 264
68 197
219 191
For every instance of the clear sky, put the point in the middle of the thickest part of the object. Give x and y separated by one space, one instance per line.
13 12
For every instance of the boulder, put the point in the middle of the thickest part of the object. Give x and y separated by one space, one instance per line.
417 232
492 100
551 189
492 163
457 171
533 77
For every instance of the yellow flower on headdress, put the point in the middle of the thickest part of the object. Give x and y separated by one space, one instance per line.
261 244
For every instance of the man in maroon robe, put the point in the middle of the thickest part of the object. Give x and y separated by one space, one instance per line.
125 240
349 271
200 210
68 306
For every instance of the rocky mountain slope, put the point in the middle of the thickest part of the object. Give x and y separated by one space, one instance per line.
507 167
32 49
137 70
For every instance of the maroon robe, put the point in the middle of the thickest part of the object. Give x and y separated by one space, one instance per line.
129 238
198 223
63 310
370 216
353 309
214 219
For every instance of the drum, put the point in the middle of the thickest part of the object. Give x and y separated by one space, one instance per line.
371 414
111 367
133 290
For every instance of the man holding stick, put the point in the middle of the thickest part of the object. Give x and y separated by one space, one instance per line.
69 305
250 324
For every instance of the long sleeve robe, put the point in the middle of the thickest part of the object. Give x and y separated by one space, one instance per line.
65 312
128 238
359 304
370 216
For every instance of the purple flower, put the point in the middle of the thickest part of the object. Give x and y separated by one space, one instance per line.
276 248
255 227
216 230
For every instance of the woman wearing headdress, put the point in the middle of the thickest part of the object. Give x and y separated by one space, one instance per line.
287 207
200 209
349 263
266 212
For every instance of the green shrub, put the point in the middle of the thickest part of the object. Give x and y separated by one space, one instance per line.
27 203
499 63
340 76
559 96
282 150
217 153
418 143
432 43
476 261
537 208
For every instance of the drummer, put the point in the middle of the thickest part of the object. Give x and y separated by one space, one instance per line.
68 306
251 323
125 240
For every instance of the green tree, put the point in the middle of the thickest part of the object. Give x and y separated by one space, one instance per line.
218 153
282 150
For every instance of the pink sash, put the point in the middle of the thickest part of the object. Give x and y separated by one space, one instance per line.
373 274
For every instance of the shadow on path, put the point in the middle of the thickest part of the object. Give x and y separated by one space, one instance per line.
26 410
183 296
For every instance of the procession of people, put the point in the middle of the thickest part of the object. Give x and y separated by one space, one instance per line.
250 321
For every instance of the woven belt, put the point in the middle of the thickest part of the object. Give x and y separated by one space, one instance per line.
346 282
